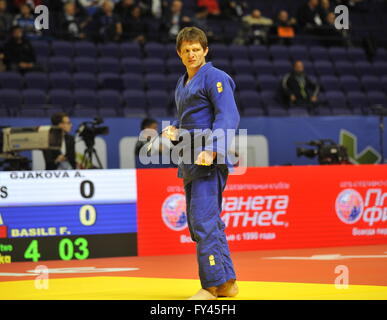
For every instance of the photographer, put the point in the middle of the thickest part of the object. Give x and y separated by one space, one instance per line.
63 159
147 123
160 153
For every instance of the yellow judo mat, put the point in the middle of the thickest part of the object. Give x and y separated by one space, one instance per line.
132 288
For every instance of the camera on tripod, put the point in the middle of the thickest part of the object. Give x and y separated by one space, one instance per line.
87 131
15 140
326 151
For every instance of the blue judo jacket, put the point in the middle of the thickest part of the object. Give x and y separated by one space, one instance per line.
206 102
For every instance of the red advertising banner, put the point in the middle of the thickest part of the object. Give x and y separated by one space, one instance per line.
271 208
3 231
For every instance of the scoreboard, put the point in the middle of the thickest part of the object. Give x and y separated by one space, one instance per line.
75 214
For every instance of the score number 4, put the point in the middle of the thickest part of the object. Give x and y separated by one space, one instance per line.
66 249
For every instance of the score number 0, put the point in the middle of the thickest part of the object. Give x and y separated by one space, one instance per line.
87 216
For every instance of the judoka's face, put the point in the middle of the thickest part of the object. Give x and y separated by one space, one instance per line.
192 54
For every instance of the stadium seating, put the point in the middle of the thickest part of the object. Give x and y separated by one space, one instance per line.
61 80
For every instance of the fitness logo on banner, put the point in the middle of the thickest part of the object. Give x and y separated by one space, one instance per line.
349 206
174 213
352 208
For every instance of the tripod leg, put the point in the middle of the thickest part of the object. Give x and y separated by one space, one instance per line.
83 163
97 157
87 158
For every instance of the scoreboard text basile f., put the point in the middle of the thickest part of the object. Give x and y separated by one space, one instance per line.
68 214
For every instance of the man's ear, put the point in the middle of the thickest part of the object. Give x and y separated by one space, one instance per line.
178 53
205 52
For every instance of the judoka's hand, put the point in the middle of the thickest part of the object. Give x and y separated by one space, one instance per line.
170 133
205 158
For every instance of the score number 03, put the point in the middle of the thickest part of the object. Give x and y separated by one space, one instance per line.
87 216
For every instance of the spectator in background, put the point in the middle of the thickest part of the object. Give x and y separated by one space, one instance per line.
309 16
256 18
174 20
108 24
330 36
26 20
71 24
283 19
57 7
91 6
63 159
160 151
134 28
3 67
5 20
147 125
298 88
232 9
14 5
284 28
212 6
256 27
32 3
325 8
154 8
19 53
200 20
122 8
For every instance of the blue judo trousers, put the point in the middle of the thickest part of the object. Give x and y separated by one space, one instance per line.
207 102
204 204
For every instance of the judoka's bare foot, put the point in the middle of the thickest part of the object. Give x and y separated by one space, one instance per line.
228 289
205 294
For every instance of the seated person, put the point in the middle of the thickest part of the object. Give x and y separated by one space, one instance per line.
174 20
107 23
63 159
284 28
26 20
123 7
330 36
91 6
19 55
3 67
200 20
212 6
232 9
5 20
256 27
310 17
71 24
134 27
298 88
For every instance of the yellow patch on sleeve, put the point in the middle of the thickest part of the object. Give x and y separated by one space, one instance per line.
212 260
219 86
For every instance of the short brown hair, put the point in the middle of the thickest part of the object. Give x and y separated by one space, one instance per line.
58 117
191 34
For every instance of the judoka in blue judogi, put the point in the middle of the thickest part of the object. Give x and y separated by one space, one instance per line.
207 102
